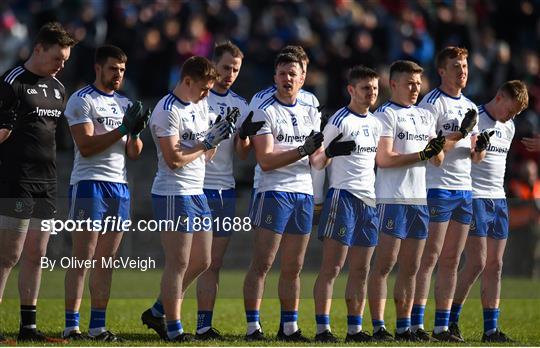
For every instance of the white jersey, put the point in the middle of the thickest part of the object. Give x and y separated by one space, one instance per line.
256 101
189 121
219 171
488 175
455 172
289 125
410 128
355 172
105 112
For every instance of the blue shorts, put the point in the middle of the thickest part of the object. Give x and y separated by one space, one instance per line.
445 205
97 200
189 213
222 205
490 218
348 220
404 221
284 212
251 211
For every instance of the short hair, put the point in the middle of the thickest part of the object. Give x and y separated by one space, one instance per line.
297 50
360 72
450 52
285 58
109 51
404 66
517 91
226 47
52 34
198 68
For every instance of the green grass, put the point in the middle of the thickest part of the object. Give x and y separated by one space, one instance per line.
135 291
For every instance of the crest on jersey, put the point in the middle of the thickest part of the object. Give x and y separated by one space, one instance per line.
366 130
19 206
307 120
389 224
401 135
57 94
424 119
268 219
342 231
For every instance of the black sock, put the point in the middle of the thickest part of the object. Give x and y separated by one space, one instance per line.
28 317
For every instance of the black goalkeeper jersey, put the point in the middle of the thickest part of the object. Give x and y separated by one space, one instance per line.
29 154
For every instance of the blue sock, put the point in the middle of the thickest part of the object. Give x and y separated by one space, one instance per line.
491 316
354 324
455 312
174 328
288 316
442 317
72 319
97 321
252 316
417 316
204 319
377 325
323 322
157 309
402 325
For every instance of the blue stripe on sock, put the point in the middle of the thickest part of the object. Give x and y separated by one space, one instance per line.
322 319
442 317
417 315
455 312
72 319
403 323
252 316
376 323
354 320
204 319
97 318
174 326
491 316
158 308
289 316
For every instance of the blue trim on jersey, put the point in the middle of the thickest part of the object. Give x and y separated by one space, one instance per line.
86 90
435 94
339 116
169 101
234 95
383 107
399 105
287 105
267 103
180 100
101 92
265 91
116 94
449 96
219 94
483 109
301 102
355 114
13 74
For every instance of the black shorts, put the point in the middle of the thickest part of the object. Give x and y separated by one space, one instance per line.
24 200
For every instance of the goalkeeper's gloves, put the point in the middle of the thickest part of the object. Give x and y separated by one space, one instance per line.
482 141
468 122
141 124
219 131
312 143
131 117
339 148
433 147
232 114
249 128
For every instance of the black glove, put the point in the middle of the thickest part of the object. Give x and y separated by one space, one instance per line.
249 128
482 141
141 124
433 147
324 117
232 114
131 117
9 117
468 123
339 148
312 143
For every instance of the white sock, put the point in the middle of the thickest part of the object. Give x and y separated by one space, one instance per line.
439 329
415 328
354 329
490 332
203 330
67 330
378 327
402 330
252 327
290 327
96 331
173 334
322 328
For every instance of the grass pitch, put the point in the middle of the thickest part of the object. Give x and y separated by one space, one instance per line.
134 291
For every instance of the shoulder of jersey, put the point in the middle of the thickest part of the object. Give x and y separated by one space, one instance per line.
307 94
264 93
234 95
11 75
470 101
432 96
304 103
83 92
339 116
384 107
266 103
168 102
